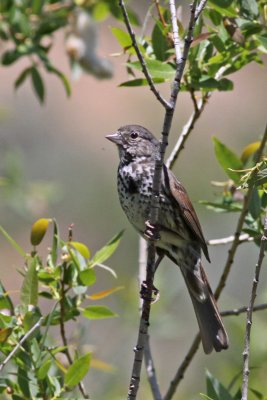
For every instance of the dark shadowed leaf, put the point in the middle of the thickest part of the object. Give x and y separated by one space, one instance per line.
160 42
38 84
215 390
21 78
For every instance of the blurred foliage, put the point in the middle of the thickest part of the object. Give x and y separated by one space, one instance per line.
37 369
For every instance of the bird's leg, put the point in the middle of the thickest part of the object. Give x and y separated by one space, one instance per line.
144 287
151 232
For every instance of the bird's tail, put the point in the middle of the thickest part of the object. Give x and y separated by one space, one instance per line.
212 331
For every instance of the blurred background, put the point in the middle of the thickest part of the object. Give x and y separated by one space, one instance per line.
62 166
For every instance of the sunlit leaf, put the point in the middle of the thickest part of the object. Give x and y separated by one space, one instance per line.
81 248
42 371
156 68
87 276
103 254
140 82
227 159
4 334
249 150
123 37
38 230
102 366
77 371
5 301
98 312
104 293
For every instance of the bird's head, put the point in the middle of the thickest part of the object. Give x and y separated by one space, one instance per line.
135 141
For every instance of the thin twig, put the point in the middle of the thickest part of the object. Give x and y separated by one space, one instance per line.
242 310
200 8
20 343
151 372
229 262
140 57
253 295
188 127
63 333
244 238
175 30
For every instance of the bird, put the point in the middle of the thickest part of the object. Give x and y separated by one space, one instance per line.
180 234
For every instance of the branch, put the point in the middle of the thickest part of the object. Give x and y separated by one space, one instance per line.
242 310
246 351
151 372
230 259
140 57
175 30
244 238
20 343
62 330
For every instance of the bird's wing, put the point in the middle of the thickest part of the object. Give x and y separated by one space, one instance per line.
181 198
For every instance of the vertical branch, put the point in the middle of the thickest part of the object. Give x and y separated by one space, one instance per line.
175 31
250 311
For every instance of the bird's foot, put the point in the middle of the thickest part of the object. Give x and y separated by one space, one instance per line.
151 232
145 295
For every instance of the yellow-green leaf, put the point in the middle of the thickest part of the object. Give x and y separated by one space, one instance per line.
4 334
77 370
81 248
104 293
87 276
98 312
29 290
39 229
102 365
228 160
249 150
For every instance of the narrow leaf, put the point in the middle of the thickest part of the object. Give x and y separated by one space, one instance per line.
29 290
227 159
215 390
38 230
98 312
104 293
12 242
140 82
106 251
21 78
156 68
55 243
38 84
77 370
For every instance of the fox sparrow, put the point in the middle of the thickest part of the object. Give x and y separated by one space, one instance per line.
180 234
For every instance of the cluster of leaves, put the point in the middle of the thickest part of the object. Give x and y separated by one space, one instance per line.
37 369
217 391
242 173
27 30
229 35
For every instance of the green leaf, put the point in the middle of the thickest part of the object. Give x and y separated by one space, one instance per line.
81 248
215 390
156 68
221 207
249 150
61 76
160 42
55 243
21 78
255 204
44 368
227 159
5 301
29 290
77 371
38 85
23 382
13 243
10 56
223 7
98 312
140 82
38 230
106 251
87 277
263 40
122 37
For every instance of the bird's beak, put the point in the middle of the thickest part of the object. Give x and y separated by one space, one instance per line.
115 138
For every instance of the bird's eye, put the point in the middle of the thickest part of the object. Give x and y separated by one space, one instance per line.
134 135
